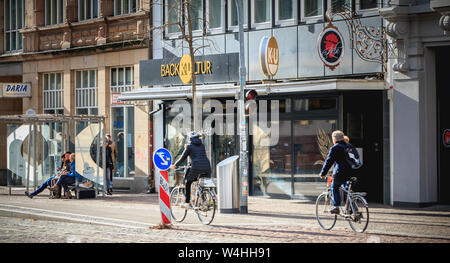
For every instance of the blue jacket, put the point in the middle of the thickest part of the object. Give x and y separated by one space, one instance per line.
337 155
74 173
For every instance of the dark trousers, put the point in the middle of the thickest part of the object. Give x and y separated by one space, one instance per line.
65 181
189 179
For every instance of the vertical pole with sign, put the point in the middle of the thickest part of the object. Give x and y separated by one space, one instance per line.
163 160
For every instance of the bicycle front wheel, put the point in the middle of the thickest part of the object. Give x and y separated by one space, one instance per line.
206 207
359 219
326 219
177 199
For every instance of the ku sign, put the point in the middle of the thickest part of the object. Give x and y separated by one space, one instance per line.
269 56
15 90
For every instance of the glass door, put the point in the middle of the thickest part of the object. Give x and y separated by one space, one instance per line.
311 141
272 165
122 121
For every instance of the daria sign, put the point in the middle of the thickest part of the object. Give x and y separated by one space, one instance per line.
331 46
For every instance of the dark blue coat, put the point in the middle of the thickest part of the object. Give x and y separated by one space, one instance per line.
337 155
199 160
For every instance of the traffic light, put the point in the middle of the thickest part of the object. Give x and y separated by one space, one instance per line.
250 94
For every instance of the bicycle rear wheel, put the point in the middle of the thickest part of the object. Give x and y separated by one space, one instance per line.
177 198
206 207
324 217
359 219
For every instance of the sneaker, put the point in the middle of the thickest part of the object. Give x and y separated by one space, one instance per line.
186 206
334 210
28 194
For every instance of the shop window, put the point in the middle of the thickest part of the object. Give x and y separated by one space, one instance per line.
13 23
86 92
52 86
87 9
261 11
285 11
314 104
123 7
54 12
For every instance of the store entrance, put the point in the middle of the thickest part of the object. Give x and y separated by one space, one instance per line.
363 124
443 119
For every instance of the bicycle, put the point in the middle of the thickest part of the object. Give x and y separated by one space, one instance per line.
355 210
203 199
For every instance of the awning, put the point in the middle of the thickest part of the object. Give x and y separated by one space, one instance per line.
231 90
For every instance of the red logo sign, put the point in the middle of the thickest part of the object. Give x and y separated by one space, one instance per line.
446 138
331 46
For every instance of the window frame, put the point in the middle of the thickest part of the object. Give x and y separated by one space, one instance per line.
235 28
290 21
368 11
8 31
86 97
260 25
223 22
94 13
167 34
312 19
49 14
52 99
137 3
118 88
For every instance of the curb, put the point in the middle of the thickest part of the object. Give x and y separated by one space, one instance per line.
34 213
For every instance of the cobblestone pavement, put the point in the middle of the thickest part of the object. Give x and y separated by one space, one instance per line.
18 230
131 217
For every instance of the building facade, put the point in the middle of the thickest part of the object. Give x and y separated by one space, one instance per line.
419 118
312 99
78 55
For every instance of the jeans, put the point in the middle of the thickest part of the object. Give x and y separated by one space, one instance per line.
109 177
43 186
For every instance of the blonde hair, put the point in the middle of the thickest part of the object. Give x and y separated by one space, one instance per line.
337 136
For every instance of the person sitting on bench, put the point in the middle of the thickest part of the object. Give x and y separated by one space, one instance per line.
68 179
48 182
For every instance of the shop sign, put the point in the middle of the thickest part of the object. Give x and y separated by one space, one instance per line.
269 56
115 99
446 138
218 68
184 69
330 45
15 90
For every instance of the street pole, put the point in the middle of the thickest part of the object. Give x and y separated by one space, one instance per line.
243 159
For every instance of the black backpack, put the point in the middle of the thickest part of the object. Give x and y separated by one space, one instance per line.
352 157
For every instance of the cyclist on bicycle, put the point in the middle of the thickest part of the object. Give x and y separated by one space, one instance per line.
342 170
200 163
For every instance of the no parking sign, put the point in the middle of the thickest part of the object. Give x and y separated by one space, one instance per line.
163 160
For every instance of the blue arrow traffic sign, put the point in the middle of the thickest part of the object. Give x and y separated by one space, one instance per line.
162 159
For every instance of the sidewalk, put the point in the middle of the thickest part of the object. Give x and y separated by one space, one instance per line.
142 211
